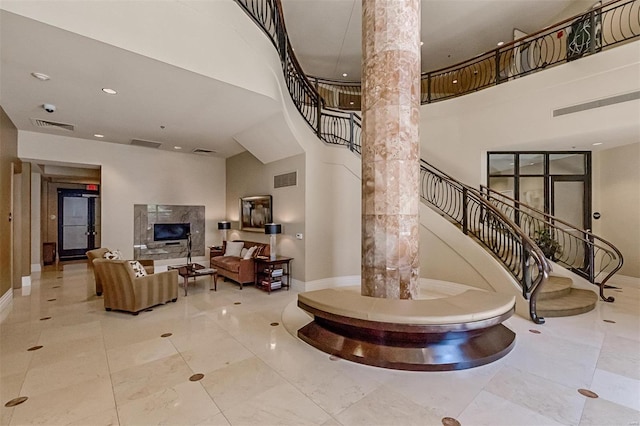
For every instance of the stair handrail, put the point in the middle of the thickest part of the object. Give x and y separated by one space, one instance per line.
595 30
467 207
597 247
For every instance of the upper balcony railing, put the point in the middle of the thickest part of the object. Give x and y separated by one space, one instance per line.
582 35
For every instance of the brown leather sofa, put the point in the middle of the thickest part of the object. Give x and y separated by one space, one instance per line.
236 268
124 291
99 254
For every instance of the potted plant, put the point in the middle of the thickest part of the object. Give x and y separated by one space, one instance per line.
549 246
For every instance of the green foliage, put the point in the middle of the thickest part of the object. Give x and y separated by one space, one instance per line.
549 246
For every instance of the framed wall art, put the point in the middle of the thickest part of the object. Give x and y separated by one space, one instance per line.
255 212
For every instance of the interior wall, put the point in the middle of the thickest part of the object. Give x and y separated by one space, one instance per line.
136 175
456 134
16 259
247 176
616 181
8 155
25 220
36 199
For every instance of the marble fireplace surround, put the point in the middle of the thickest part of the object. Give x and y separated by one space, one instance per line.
146 215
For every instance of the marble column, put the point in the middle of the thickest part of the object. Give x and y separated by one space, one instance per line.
390 148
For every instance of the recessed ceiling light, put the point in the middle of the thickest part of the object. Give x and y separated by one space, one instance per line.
597 143
422 43
41 76
177 147
455 81
500 43
109 91
344 74
97 135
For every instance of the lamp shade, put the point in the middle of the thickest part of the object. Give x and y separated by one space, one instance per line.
273 228
224 225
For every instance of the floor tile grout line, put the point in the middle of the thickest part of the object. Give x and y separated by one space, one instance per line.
113 390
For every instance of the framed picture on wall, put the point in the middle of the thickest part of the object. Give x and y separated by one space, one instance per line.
255 212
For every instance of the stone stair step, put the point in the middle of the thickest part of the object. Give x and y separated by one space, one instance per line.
576 302
555 287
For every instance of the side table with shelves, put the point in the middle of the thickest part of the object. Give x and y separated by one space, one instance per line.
272 274
215 251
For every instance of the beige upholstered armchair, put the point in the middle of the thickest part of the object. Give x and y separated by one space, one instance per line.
123 291
99 254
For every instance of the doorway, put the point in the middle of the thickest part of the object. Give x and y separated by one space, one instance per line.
557 183
78 224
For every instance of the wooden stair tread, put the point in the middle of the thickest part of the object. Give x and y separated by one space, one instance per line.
576 302
555 287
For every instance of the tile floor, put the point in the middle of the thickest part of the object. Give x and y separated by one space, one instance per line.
110 368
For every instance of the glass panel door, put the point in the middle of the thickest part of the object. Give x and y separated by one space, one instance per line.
568 204
76 222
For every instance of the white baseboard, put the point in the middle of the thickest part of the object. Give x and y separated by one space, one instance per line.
36 267
331 282
5 302
26 281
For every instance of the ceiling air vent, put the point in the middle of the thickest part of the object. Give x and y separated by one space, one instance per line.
146 144
52 125
286 179
203 151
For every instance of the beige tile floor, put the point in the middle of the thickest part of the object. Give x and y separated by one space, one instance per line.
110 368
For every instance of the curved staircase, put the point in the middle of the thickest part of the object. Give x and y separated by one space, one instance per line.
505 227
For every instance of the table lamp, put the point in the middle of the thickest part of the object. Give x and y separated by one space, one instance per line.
272 229
224 226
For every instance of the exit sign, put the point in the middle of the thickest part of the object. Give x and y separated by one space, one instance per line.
92 187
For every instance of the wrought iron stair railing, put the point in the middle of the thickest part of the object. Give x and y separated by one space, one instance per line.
467 207
588 255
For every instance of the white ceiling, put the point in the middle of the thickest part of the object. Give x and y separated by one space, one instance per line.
196 111
200 112
326 34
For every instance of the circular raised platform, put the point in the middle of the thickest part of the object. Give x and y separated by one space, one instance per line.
420 335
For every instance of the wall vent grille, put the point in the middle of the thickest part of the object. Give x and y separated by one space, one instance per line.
146 144
52 125
597 104
286 179
203 151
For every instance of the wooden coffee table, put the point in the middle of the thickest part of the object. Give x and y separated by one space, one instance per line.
194 270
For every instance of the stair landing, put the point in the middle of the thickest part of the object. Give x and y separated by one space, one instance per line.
558 299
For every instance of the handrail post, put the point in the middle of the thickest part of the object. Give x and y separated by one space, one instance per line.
592 32
592 259
465 203
351 135
526 273
318 111
497 58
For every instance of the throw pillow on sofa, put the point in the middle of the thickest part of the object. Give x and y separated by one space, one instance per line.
249 253
138 269
113 255
234 248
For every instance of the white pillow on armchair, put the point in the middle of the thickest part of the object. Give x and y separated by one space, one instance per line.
234 248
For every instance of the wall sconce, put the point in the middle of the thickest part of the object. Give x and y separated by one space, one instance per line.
272 229
224 226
